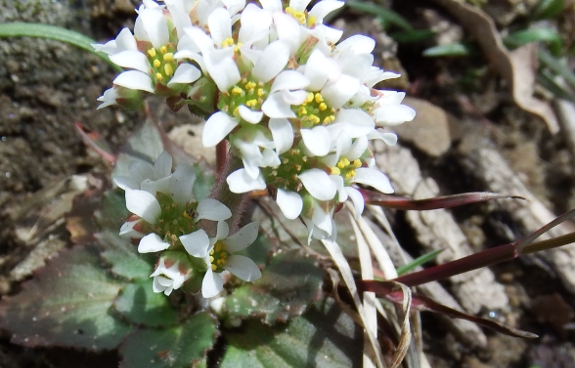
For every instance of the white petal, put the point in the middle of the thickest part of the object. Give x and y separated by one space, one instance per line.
212 209
125 182
218 126
341 193
108 98
222 231
160 284
197 243
163 165
143 204
181 184
388 138
155 186
317 140
131 60
222 67
323 8
134 79
152 243
282 133
156 28
357 122
271 5
127 230
212 284
290 203
220 25
357 44
202 41
125 40
185 73
318 184
234 6
243 268
271 61
340 91
276 107
288 30
316 70
294 97
357 199
289 79
394 114
374 178
243 238
240 182
321 219
357 149
255 24
252 117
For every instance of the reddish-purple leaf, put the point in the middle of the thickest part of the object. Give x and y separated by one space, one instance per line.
390 291
450 201
95 140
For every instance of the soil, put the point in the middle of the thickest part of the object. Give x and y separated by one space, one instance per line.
47 86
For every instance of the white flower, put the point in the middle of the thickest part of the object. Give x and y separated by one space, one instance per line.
389 111
219 256
167 279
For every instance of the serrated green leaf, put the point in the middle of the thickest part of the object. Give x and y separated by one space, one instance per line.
68 303
323 337
289 284
122 255
20 29
175 347
138 304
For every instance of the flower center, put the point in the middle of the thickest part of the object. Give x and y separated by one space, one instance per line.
163 63
175 220
284 176
346 169
247 92
219 257
314 110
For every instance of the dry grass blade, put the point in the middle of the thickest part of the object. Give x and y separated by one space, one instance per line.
345 270
405 337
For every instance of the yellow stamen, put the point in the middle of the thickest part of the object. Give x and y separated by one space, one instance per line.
322 106
237 90
152 52
311 21
314 119
251 103
169 57
318 97
341 164
211 252
159 76
163 49
285 160
345 161
250 86
297 167
350 174
236 112
168 70
309 97
214 267
157 63
357 163
261 92
335 171
302 111
211 259
218 246
328 119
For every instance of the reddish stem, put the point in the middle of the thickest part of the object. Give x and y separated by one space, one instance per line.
221 156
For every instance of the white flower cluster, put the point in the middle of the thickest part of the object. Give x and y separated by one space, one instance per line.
298 107
166 218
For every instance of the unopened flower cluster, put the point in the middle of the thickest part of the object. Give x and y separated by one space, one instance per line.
166 220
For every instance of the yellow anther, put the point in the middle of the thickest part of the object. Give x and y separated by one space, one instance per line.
309 97
163 49
328 119
236 111
159 76
168 70
211 259
357 163
211 252
318 97
297 167
274 172
250 86
335 171
350 174
237 90
218 246
152 52
285 160
314 119
251 103
302 111
345 161
224 255
341 164
214 267
289 10
261 92
186 215
311 21
304 158
322 106
227 42
169 57
157 63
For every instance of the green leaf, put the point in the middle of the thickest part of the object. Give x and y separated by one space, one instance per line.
139 304
418 261
387 15
546 35
323 337
452 49
204 182
20 29
546 9
556 66
178 346
416 35
122 255
289 284
68 303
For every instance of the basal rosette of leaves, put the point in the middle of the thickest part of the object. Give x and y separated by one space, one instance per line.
297 106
